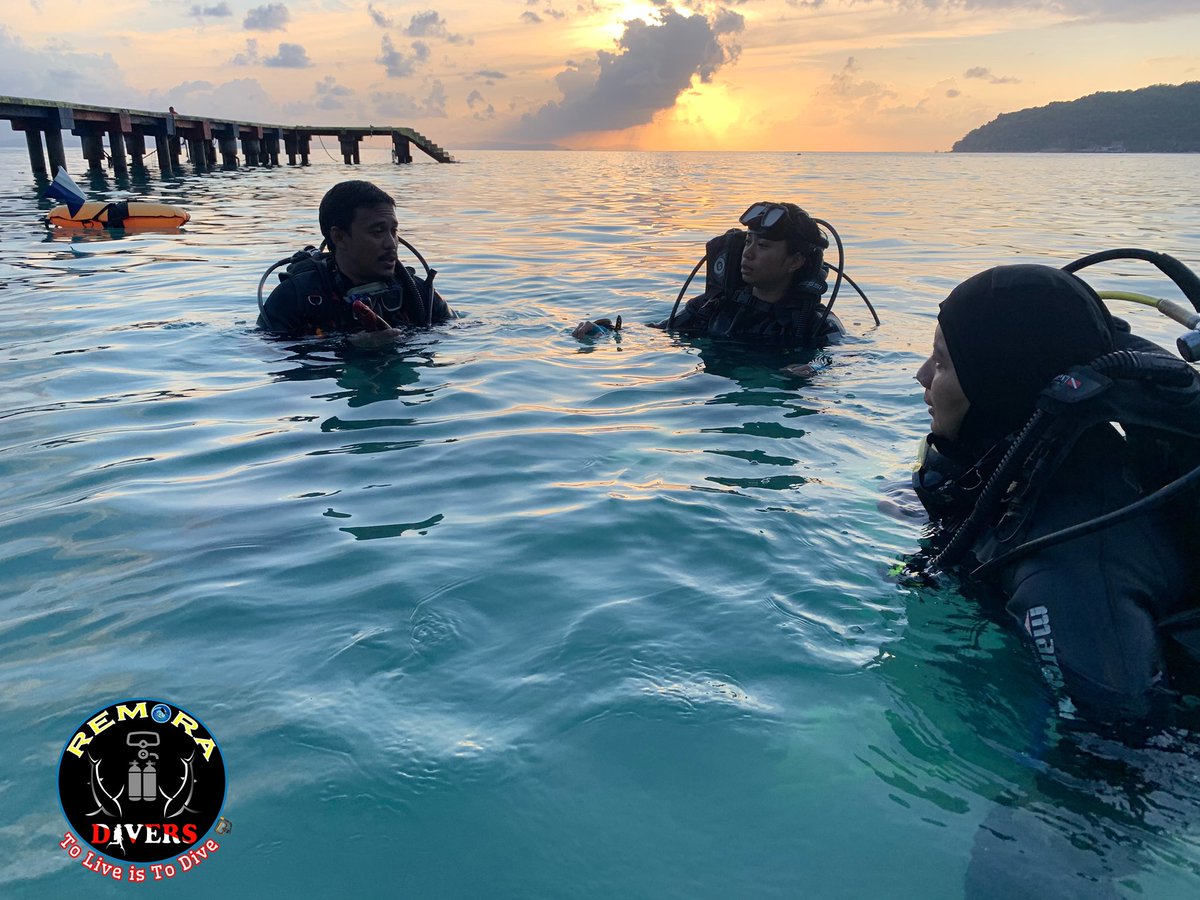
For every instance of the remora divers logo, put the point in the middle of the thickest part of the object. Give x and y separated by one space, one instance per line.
141 781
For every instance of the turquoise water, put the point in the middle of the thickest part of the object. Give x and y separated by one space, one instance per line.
498 613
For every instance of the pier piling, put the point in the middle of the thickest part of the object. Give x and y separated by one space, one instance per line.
116 153
229 158
401 149
93 151
127 130
55 150
135 144
270 147
37 159
164 153
349 144
250 150
196 154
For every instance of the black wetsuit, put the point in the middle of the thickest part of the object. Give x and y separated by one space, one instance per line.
789 322
309 301
1090 606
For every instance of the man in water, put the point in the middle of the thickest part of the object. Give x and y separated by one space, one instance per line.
358 287
1094 608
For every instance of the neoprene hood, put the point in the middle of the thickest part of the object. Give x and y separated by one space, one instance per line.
1010 330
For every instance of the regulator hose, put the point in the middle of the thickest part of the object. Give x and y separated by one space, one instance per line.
1185 279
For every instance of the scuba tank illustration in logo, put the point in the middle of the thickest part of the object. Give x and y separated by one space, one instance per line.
143 780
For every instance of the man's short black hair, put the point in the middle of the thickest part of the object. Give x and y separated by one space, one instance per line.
343 199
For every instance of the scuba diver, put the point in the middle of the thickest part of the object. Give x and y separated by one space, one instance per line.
1059 477
764 285
358 287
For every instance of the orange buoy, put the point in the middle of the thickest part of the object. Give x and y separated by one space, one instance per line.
130 215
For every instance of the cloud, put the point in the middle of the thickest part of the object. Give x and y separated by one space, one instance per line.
241 98
379 17
64 74
847 87
531 18
654 64
480 108
250 56
61 73
289 56
273 17
986 75
489 75
396 63
953 92
218 10
1075 10
431 24
330 94
404 105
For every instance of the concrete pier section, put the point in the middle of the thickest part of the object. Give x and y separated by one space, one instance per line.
210 142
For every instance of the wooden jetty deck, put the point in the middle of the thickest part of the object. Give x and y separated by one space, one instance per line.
211 143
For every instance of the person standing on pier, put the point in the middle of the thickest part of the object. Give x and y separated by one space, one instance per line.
358 287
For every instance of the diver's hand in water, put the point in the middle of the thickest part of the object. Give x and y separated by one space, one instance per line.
804 370
369 339
585 328
589 328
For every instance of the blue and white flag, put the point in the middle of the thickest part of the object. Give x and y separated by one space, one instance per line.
64 189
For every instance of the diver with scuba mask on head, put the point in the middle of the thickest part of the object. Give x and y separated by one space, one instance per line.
1052 479
359 287
763 286
778 300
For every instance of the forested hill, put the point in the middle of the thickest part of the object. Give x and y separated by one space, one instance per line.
1164 118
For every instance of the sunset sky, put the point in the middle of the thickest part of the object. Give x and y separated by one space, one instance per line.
738 75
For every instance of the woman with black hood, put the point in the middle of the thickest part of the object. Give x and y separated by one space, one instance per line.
1091 606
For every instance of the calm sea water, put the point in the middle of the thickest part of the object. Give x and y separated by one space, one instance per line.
497 613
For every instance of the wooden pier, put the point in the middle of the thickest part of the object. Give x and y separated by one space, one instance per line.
211 143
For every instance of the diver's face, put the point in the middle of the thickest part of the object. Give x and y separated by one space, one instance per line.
943 394
366 251
767 265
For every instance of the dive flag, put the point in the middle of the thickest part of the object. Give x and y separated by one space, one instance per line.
64 189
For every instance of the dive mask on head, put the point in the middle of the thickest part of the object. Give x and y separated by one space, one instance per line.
765 217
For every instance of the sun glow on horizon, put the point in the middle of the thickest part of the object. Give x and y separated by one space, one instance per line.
705 117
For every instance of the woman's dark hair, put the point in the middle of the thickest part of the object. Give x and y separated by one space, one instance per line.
802 235
802 232
343 199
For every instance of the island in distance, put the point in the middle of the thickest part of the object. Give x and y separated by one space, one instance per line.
1164 118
